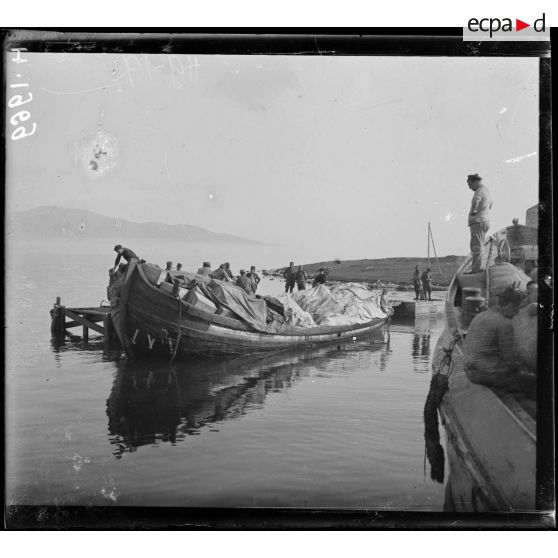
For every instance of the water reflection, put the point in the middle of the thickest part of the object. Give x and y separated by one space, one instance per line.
152 403
425 329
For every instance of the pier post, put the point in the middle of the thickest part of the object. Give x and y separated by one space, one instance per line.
58 323
85 335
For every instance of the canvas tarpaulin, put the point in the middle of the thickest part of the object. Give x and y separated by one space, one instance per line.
344 304
247 307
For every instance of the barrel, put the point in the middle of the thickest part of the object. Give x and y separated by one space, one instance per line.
471 307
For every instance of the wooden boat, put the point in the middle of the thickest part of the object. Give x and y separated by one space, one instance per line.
491 435
149 320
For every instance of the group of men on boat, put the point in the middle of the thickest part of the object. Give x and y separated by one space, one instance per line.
501 342
248 281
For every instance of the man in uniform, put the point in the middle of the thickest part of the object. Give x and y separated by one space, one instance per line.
245 282
205 269
301 278
478 221
416 282
254 277
426 279
290 278
125 253
321 278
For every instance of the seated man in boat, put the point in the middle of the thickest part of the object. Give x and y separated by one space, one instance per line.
125 253
205 269
221 274
321 278
489 349
228 271
245 282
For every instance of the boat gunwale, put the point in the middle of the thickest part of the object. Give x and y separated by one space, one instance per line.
223 321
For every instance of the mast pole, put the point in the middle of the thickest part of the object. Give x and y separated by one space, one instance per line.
428 265
434 248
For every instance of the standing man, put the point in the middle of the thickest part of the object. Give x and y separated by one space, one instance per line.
301 278
255 278
290 278
416 282
426 278
478 221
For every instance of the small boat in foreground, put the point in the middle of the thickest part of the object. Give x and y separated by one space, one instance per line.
149 319
491 434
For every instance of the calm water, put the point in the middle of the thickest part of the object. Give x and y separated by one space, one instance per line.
338 426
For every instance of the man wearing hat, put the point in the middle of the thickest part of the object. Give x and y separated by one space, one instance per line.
125 253
205 269
245 282
290 278
478 221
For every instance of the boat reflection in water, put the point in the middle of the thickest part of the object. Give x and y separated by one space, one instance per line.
153 402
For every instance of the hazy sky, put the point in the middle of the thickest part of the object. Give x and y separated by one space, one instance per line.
352 155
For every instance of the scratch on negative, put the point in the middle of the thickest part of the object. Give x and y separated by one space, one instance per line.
520 158
81 91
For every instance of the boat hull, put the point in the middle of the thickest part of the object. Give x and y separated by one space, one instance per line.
491 444
153 322
490 434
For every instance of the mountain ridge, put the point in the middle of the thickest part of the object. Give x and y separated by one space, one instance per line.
60 222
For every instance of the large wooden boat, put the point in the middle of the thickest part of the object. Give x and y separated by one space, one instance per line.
490 434
150 320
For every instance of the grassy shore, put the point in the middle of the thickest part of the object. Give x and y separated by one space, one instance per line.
397 271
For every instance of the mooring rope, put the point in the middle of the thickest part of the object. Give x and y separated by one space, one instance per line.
179 329
439 385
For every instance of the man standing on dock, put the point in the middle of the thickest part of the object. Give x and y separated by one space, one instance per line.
426 278
416 282
478 219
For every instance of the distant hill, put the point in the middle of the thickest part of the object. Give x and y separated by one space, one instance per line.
58 222
385 270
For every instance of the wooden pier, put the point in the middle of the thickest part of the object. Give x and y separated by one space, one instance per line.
96 318
405 309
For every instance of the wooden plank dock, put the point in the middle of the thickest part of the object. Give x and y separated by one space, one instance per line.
97 318
415 308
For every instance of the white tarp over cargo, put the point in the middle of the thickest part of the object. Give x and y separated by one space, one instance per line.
343 304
